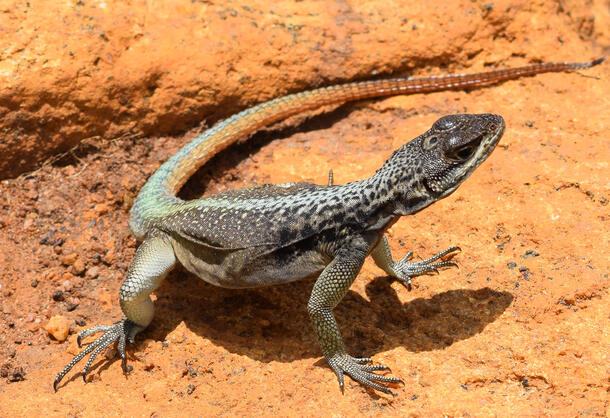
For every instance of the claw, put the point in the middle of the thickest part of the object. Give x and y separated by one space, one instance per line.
406 283
377 387
357 369
117 332
406 270
372 376
339 374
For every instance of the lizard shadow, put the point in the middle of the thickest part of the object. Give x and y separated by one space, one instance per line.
272 324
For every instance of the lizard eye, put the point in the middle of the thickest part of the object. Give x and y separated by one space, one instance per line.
430 142
462 153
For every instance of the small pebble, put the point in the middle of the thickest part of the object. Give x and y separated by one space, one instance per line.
32 194
93 272
101 208
69 259
149 365
78 267
59 327
18 375
530 253
72 303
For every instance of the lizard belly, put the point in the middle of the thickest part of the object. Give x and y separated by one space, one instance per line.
249 267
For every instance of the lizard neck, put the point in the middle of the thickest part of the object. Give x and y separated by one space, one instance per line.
399 184
395 190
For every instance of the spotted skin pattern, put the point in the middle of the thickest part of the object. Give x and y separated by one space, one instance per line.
270 234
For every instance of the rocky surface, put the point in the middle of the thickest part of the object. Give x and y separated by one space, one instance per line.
80 69
520 328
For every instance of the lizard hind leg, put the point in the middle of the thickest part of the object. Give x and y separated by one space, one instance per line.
151 263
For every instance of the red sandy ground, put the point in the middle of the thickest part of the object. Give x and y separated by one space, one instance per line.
521 328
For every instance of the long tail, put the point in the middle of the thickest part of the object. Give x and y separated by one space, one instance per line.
158 195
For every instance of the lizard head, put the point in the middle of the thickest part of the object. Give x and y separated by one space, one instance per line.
439 160
454 147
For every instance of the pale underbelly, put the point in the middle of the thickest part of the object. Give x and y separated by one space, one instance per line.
248 268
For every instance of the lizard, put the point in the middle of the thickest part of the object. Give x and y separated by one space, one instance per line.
270 234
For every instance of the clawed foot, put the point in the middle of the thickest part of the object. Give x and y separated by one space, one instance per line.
405 270
121 332
359 370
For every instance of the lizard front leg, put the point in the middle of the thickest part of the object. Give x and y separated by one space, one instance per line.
327 292
151 263
404 270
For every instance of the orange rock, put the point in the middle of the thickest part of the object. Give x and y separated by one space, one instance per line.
69 259
78 267
106 79
59 327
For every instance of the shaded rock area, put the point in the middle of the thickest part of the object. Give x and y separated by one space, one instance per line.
520 328
81 69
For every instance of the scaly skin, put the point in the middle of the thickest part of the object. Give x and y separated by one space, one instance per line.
279 233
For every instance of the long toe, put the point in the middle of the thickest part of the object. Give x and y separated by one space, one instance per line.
118 332
359 370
